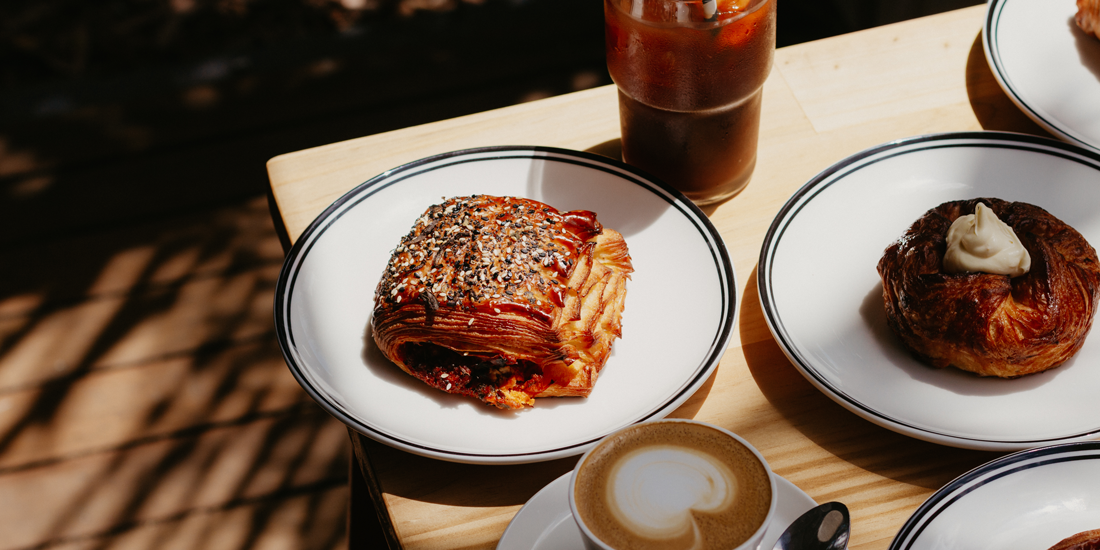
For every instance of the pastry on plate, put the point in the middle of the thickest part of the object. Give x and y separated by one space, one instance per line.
1023 305
503 299
1085 540
1088 16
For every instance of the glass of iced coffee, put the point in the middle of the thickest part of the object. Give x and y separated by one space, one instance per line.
690 76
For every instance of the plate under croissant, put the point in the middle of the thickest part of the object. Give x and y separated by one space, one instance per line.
1028 500
1047 65
822 296
678 320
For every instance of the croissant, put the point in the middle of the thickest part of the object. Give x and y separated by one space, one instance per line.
1085 540
1088 16
503 299
990 324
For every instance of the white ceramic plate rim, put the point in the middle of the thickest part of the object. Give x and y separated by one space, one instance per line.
836 174
377 429
991 472
531 524
1036 107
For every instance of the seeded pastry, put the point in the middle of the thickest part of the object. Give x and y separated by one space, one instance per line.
1088 16
503 299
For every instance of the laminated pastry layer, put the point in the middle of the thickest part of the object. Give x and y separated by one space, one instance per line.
1085 540
503 299
1088 16
991 324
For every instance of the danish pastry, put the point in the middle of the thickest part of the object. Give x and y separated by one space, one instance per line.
1088 16
985 323
503 299
1085 540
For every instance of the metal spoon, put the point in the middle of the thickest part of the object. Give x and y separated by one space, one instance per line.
823 527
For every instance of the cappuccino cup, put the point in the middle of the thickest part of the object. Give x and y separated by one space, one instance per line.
672 485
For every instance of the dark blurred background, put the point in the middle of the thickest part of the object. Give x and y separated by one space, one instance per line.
143 395
177 104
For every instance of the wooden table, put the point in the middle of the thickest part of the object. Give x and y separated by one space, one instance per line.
823 101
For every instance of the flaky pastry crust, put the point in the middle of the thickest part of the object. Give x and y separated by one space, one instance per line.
1085 540
1088 16
990 324
503 299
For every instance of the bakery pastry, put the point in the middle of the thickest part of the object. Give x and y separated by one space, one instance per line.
1088 16
991 324
503 299
1085 540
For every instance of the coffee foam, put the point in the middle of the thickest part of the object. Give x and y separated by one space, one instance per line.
654 490
672 485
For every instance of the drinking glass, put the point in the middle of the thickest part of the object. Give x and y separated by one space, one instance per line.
690 76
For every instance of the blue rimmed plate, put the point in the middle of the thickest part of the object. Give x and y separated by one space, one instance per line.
680 306
822 296
1047 65
1030 500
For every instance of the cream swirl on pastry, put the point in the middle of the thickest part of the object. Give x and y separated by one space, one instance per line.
982 242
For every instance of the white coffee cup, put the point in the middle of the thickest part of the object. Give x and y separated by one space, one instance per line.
672 483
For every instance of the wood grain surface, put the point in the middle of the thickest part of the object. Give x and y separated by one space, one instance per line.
824 100
144 402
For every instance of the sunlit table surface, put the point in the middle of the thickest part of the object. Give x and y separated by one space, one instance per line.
823 101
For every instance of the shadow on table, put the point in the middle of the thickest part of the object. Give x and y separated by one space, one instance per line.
456 484
612 148
144 396
464 485
837 430
992 106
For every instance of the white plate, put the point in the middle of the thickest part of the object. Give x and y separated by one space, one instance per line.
822 295
544 523
1030 500
680 306
1046 65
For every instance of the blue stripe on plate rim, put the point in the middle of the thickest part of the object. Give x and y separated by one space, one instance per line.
300 250
987 473
835 173
991 46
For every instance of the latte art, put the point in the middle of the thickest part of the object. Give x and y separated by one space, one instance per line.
656 489
672 485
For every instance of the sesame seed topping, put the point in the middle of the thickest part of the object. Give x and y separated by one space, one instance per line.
468 251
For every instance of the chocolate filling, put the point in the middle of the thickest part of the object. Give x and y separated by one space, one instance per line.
477 375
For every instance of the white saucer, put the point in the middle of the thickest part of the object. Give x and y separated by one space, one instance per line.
544 523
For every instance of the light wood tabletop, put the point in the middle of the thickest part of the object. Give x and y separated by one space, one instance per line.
823 101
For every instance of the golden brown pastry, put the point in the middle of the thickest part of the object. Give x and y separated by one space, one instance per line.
989 324
1086 540
503 299
1088 16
